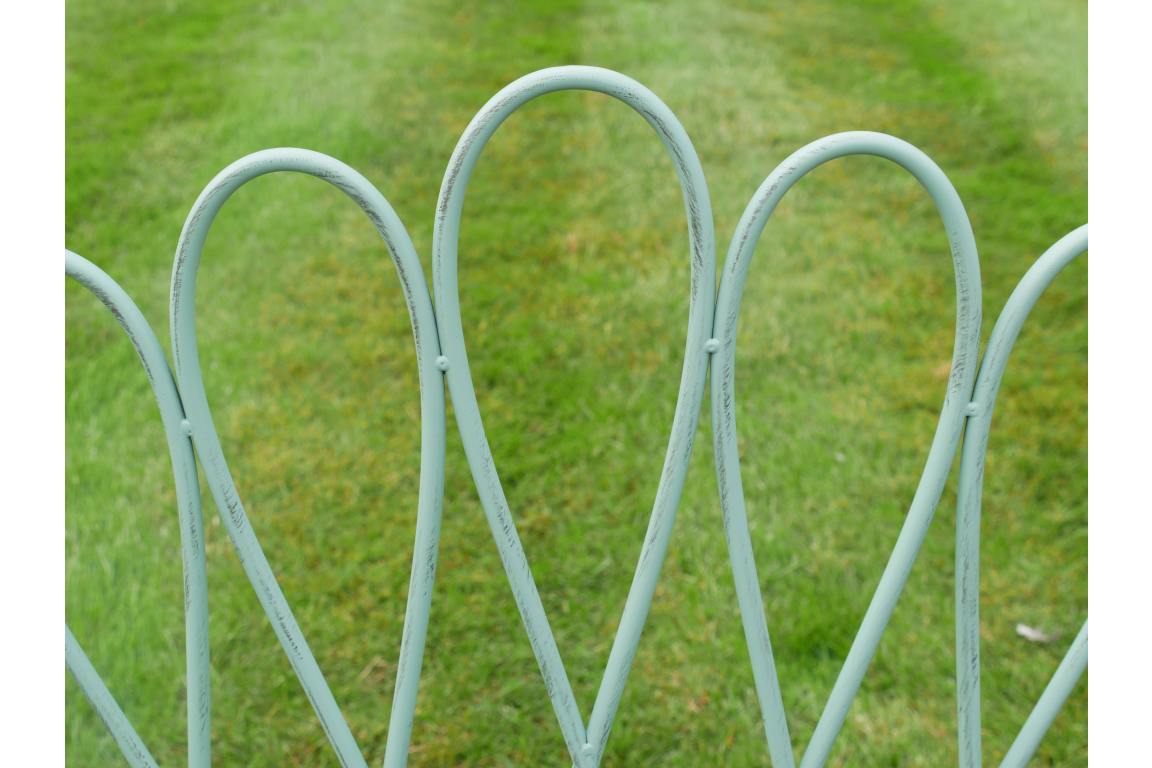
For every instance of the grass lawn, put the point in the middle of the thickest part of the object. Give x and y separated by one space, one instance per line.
574 275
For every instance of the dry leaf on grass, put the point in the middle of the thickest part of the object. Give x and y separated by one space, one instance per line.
1035 635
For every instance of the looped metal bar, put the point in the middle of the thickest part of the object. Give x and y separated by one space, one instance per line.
442 360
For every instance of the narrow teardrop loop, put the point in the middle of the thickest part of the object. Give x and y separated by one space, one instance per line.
432 442
702 244
940 456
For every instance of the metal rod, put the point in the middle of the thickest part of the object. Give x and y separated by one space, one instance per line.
585 746
432 444
187 497
968 501
964 357
442 361
105 705
1053 698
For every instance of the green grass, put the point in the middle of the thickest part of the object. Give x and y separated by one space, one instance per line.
574 279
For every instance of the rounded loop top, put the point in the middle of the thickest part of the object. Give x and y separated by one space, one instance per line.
1020 303
697 204
188 374
961 240
962 377
586 746
236 175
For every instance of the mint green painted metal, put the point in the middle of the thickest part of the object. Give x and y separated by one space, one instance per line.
105 705
1053 698
585 745
433 418
940 455
1000 344
191 537
442 361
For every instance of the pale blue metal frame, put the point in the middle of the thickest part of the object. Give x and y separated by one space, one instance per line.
442 361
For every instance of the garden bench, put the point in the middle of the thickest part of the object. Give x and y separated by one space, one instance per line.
443 363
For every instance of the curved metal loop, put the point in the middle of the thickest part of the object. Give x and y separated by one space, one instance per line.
191 536
432 443
442 356
585 746
940 456
1035 281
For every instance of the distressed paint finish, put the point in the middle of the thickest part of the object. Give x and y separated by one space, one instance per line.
191 532
432 442
940 455
972 456
1053 698
586 745
98 695
443 362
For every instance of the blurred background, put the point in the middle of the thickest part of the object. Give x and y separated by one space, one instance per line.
574 277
